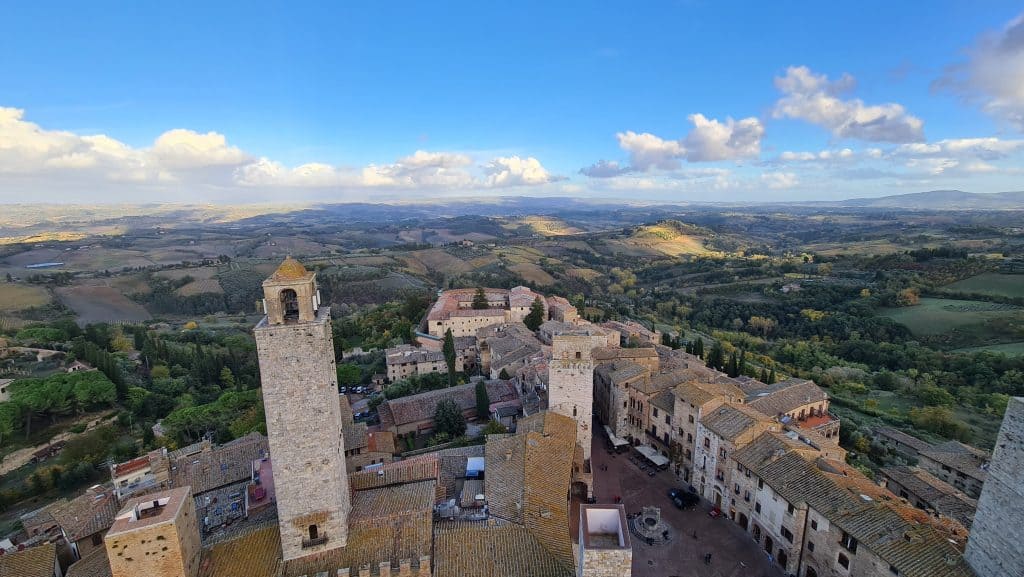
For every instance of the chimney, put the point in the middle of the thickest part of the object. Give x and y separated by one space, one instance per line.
385 569
405 568
425 566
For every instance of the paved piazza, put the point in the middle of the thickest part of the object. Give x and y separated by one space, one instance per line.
733 552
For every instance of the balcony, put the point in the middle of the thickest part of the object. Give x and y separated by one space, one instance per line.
307 543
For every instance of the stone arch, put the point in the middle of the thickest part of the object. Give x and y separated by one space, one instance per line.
289 304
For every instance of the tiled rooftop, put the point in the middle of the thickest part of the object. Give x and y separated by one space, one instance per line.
87 514
32 562
732 420
94 564
493 548
223 465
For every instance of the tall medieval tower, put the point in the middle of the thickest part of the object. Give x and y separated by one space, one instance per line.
300 396
571 383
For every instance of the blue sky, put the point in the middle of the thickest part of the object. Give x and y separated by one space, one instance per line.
229 102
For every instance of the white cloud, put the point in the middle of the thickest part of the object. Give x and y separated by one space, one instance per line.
266 172
710 140
824 155
816 99
779 180
993 73
604 169
990 148
713 140
182 149
516 171
429 169
647 151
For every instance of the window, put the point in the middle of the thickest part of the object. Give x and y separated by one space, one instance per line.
810 546
689 438
691 418
666 419
313 532
655 412
844 561
848 542
579 355
746 496
760 483
97 539
787 534
721 452
814 524
689 455
894 570
719 475
623 404
707 443
757 507
790 509
654 430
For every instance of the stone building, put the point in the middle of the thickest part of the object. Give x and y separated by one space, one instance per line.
85 519
571 383
797 402
454 310
818 517
926 491
300 388
724 429
632 333
508 347
156 535
994 548
962 466
899 442
414 414
692 402
145 473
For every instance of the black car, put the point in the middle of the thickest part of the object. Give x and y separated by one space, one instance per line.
683 499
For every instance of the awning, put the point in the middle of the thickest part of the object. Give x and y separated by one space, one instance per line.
653 456
474 466
616 441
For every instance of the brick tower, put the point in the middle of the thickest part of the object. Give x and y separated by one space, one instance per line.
300 396
571 383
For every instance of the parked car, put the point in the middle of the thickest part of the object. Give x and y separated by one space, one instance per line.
683 499
343 390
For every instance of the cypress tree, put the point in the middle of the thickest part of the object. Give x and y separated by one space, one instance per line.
449 356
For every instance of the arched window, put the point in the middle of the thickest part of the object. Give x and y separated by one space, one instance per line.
289 305
313 532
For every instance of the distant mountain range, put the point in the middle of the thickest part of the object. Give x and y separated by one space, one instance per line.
938 200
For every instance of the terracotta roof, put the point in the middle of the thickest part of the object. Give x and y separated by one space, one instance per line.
94 564
347 418
960 457
290 269
356 436
252 554
393 500
903 438
87 514
129 467
936 493
697 393
665 401
601 354
382 442
41 518
528 475
621 371
786 396
126 520
732 420
492 548
406 471
223 465
453 467
32 562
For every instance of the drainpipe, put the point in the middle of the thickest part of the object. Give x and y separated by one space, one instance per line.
803 543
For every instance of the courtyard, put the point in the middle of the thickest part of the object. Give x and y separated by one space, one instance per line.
733 551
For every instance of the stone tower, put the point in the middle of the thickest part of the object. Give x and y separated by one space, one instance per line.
993 549
300 396
156 535
571 383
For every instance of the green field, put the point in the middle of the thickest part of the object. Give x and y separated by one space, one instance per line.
937 316
1009 349
14 297
991 283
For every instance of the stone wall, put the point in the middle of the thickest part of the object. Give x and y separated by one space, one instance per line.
994 547
606 563
300 396
571 384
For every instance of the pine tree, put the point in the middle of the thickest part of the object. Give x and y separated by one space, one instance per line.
732 369
764 375
449 356
716 358
742 368
480 299
535 319
483 402
698 348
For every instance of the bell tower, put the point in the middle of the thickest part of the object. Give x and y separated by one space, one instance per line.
300 397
